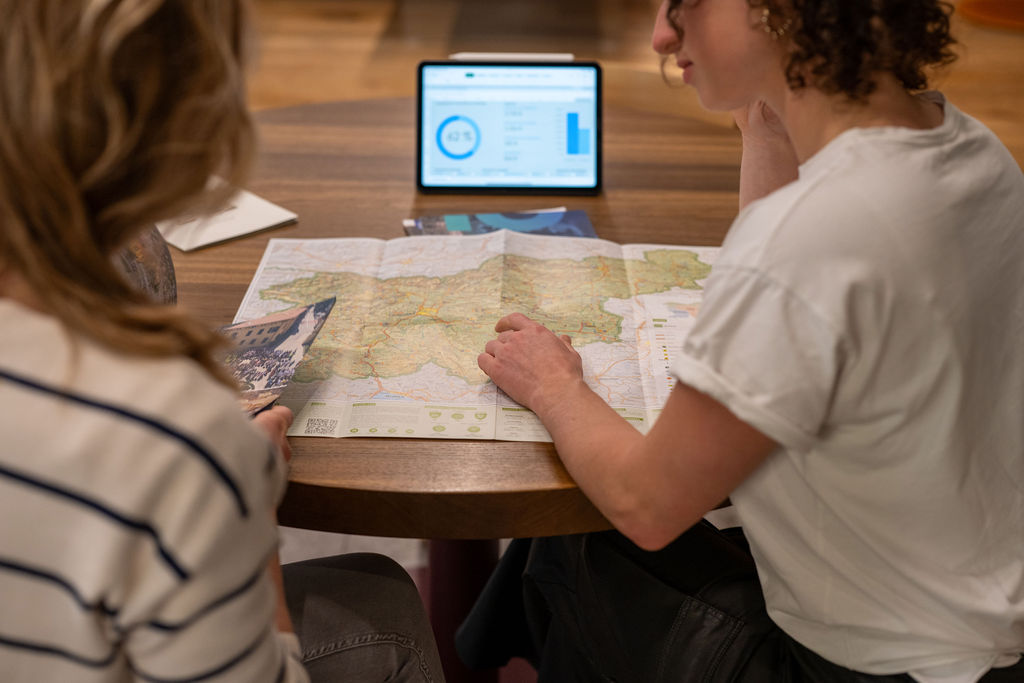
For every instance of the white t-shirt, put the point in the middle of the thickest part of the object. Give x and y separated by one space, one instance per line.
870 318
136 501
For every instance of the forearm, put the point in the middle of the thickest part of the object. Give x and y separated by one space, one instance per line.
653 487
596 445
643 484
275 423
282 619
650 487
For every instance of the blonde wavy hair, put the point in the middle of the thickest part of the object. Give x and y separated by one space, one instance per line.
113 115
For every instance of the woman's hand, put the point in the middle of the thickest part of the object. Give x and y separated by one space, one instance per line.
275 423
530 363
769 159
759 121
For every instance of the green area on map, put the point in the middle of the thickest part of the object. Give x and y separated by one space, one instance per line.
391 327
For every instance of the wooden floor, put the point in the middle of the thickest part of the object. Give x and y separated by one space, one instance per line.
323 50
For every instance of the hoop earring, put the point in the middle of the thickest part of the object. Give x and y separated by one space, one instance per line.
775 33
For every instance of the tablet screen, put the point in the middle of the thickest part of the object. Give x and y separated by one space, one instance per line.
509 127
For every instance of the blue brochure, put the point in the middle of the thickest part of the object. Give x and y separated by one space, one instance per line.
567 223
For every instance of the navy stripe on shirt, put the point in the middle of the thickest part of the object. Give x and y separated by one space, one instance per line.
193 445
99 507
57 652
95 663
234 661
50 577
67 586
203 611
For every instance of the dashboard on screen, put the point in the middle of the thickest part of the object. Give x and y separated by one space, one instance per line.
509 127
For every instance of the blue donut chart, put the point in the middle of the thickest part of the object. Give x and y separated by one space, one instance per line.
440 137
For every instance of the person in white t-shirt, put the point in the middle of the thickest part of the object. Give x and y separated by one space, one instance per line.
138 539
854 383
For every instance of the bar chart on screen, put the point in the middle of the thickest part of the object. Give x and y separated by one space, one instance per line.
577 139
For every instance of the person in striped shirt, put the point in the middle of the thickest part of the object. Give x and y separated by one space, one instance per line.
139 536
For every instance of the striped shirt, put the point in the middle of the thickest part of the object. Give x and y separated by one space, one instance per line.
136 501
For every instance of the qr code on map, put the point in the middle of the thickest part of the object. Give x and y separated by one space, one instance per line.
321 426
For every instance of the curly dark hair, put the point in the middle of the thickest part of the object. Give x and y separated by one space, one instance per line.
838 45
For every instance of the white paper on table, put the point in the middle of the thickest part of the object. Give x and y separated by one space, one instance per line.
246 213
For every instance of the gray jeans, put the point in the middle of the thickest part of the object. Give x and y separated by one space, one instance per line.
359 618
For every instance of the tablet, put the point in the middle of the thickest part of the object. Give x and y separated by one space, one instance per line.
509 127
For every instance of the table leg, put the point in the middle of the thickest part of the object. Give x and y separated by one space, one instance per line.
458 572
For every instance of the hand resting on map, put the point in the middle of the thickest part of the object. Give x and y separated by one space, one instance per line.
530 363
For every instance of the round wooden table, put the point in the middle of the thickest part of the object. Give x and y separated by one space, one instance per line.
346 169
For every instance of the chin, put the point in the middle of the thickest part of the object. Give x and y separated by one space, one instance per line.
712 103
709 103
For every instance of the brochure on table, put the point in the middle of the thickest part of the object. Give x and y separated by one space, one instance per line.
246 213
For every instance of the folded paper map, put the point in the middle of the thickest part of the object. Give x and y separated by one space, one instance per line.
397 355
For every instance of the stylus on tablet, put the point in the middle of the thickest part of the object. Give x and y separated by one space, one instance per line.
512 56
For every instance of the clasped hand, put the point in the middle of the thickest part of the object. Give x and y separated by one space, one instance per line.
759 120
531 363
